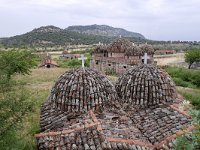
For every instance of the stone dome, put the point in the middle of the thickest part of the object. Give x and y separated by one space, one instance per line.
120 45
100 49
133 51
146 48
81 90
145 85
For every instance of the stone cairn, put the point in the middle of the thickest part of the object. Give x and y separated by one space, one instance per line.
145 85
81 90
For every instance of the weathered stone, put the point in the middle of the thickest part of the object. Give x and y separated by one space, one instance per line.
145 95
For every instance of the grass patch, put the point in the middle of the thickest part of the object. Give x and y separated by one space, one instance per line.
74 63
190 80
185 77
192 95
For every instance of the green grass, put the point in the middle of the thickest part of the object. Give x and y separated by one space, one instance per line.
192 95
185 77
74 63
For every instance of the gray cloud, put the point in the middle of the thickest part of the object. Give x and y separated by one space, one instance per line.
155 19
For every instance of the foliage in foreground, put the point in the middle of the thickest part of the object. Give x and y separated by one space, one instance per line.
192 56
184 77
16 61
190 141
15 100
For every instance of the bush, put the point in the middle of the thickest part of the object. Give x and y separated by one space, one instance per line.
15 100
190 141
180 82
184 77
74 63
194 99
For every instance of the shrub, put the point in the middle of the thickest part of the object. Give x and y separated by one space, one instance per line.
190 141
184 77
194 99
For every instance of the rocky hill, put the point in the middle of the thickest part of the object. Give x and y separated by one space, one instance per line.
104 30
53 36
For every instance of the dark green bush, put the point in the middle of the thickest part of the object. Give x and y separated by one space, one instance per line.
184 77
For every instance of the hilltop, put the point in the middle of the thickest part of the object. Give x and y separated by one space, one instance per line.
46 36
104 30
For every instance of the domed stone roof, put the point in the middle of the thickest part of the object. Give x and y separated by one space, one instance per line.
134 51
100 49
120 45
145 85
146 48
81 90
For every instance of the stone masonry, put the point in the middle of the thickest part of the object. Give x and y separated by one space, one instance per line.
120 56
84 112
145 85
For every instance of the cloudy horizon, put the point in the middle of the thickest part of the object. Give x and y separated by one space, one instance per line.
155 19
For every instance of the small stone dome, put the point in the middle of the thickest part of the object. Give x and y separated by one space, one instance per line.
120 45
133 51
100 49
145 85
81 90
146 48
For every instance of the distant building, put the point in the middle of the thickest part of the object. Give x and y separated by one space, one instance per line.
46 61
120 56
66 55
165 52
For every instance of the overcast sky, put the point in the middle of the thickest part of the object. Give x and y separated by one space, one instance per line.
155 19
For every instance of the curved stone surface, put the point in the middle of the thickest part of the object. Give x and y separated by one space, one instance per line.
120 45
81 90
100 49
145 85
134 51
146 48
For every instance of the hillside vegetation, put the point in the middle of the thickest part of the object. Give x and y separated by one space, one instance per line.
104 30
50 36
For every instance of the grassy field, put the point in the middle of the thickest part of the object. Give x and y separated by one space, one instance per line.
188 82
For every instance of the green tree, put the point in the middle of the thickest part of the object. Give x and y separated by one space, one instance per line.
15 100
16 61
192 56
